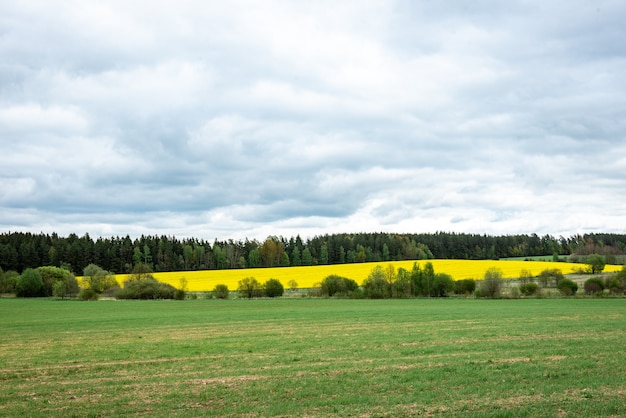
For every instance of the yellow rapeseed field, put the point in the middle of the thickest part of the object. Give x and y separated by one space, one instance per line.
310 276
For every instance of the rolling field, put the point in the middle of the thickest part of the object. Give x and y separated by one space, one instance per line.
313 357
307 277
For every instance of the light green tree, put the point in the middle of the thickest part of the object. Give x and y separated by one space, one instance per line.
491 285
51 275
596 263
390 277
375 286
249 287
98 279
220 291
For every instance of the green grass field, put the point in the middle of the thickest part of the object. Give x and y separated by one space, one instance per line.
313 357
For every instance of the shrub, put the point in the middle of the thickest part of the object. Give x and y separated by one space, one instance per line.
8 281
58 282
99 279
29 284
594 285
491 285
375 286
221 291
422 279
148 288
402 284
617 283
548 276
88 294
525 276
465 287
529 289
273 288
141 271
442 285
51 275
179 294
65 288
334 285
567 287
111 292
249 287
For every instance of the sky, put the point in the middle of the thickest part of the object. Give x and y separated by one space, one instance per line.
243 119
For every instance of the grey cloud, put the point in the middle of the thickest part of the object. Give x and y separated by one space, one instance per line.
234 119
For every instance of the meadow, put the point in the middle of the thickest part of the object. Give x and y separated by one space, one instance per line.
311 276
313 357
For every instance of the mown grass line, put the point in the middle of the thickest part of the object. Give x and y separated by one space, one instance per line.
313 357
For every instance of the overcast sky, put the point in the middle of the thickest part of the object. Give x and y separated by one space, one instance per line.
237 119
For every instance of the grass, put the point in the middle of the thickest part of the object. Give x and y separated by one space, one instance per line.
313 357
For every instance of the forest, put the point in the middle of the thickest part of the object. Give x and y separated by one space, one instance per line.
21 250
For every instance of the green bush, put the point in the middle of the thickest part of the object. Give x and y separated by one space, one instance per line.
99 279
51 275
179 294
593 286
376 286
334 285
8 281
111 292
273 288
567 287
402 285
491 285
529 289
249 287
422 279
220 291
442 285
549 276
465 287
148 288
88 294
617 283
29 284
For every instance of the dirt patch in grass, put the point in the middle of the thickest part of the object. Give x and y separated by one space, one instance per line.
512 360
226 380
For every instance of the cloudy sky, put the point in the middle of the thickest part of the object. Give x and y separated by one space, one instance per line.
237 119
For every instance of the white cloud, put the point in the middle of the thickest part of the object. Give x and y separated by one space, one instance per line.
247 119
22 119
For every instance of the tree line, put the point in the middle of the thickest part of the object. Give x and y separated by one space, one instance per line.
22 250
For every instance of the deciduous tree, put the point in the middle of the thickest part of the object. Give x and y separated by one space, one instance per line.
29 284
491 285
98 279
375 286
249 287
273 288
596 263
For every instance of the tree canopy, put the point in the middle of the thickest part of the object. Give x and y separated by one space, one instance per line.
19 251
